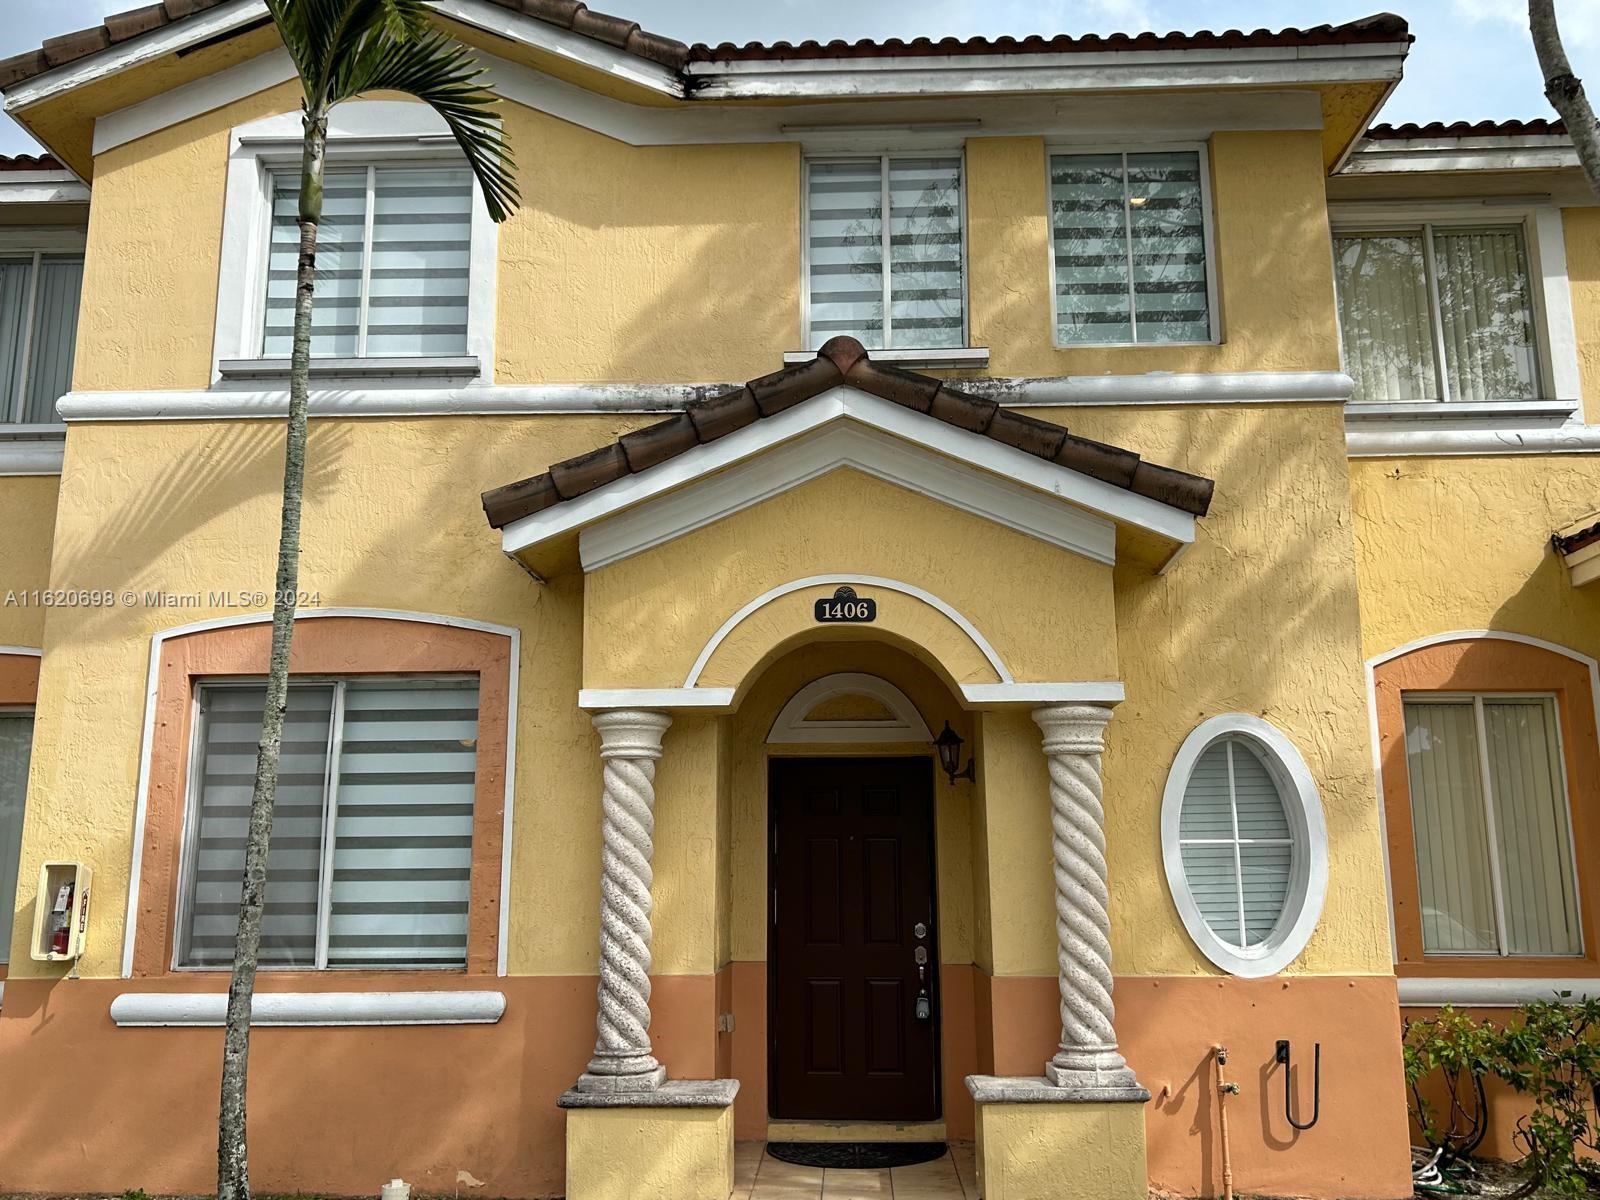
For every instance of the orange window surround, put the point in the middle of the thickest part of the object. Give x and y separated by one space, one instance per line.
1488 666
326 646
19 688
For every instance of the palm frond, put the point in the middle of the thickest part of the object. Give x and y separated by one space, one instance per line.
343 48
443 74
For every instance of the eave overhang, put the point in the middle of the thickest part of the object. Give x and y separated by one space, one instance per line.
1579 547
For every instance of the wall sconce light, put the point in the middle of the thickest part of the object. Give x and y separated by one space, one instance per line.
949 744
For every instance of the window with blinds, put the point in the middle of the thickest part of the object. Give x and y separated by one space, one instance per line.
1437 313
1492 825
895 284
1130 248
1236 844
39 296
16 744
370 863
393 255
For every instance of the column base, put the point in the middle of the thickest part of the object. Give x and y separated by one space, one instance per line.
1036 1141
672 1143
1092 1077
623 1085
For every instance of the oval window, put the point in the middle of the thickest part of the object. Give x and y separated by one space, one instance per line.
1244 843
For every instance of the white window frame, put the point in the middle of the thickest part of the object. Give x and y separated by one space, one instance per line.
1207 232
35 242
360 133
965 355
1558 386
330 814
1308 877
1491 821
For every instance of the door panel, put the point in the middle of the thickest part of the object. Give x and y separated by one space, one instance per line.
852 875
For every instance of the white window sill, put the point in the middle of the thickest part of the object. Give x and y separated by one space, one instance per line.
948 357
32 449
156 1009
459 368
1497 410
1490 992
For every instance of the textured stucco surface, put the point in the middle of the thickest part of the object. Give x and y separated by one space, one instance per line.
1047 612
649 1153
1061 1151
1449 544
1582 229
27 527
1276 293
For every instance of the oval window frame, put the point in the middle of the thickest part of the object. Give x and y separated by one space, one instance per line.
1308 883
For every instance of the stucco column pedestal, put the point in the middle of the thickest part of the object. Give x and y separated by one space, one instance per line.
1039 1142
673 1143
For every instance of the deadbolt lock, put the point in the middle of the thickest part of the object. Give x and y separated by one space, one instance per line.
921 955
920 929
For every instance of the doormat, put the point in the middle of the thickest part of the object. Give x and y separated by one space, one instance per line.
856 1156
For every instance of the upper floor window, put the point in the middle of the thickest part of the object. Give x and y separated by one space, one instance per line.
393 261
16 743
1130 246
39 293
372 841
895 283
1437 312
1492 826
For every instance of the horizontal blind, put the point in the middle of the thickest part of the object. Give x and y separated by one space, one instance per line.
1486 312
925 252
55 333
1236 843
341 236
1129 245
231 727
16 282
844 248
1449 826
402 859
421 247
16 744
1384 323
1531 819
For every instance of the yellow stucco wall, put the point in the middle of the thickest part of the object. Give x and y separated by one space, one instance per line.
682 263
1448 544
27 525
1046 624
1276 293
1581 227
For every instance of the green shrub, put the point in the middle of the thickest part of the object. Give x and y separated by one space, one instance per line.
1460 1051
1551 1054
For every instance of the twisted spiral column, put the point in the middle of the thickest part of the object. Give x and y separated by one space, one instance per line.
1073 744
630 744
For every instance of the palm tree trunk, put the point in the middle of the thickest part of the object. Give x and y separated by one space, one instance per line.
1564 90
233 1165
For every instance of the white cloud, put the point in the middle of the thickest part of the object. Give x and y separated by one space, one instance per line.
1579 19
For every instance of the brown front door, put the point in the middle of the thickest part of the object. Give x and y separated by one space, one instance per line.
853 1025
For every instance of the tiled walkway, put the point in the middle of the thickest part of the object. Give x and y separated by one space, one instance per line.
758 1176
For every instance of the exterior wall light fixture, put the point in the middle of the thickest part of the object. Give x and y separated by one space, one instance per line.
949 746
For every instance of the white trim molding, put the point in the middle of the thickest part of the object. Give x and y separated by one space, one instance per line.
373 398
362 132
1448 440
904 723
25 651
1492 993
842 404
31 456
868 581
1308 885
788 465
133 1010
1520 152
147 739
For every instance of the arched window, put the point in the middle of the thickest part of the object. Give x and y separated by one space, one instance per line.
1244 844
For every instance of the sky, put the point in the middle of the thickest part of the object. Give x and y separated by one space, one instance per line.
1472 59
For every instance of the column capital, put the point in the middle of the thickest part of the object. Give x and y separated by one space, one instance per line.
631 732
1073 728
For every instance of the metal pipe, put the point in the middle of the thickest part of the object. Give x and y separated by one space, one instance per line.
1224 1090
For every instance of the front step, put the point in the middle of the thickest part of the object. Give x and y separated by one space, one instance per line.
855 1131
